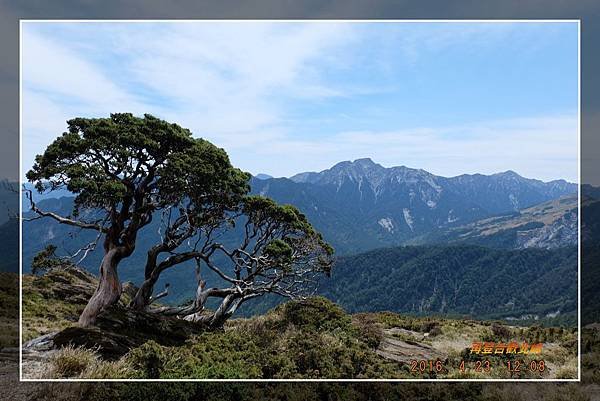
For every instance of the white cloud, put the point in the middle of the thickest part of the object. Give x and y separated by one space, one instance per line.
226 81
543 147
51 68
232 83
58 84
217 82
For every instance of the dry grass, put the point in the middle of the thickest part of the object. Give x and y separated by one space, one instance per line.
70 362
82 363
107 370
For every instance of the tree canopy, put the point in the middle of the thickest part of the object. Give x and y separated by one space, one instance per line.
109 161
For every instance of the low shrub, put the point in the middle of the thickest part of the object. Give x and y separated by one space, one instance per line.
316 313
369 330
148 359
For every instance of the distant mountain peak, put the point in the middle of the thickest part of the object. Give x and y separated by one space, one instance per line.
309 177
509 173
365 161
344 169
494 193
364 164
263 176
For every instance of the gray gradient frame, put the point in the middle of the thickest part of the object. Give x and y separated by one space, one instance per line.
588 11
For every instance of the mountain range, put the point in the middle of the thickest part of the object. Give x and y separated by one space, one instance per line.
362 205
549 225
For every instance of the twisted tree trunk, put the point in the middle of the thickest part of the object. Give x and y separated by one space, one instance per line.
108 291
141 300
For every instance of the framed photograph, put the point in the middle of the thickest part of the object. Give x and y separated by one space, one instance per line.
300 200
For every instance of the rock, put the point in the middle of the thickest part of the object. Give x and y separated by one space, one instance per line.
400 331
73 285
405 351
118 329
108 344
44 342
9 353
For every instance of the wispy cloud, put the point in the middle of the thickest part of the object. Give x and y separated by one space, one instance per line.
214 79
289 97
62 75
535 147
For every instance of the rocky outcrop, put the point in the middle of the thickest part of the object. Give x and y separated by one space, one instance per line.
549 225
116 332
119 329
70 284
396 349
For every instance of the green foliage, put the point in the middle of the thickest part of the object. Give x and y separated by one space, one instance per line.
280 252
9 295
319 391
263 347
390 319
314 339
500 332
261 211
145 392
314 314
106 161
369 329
9 309
590 359
46 260
55 300
148 359
204 175
225 355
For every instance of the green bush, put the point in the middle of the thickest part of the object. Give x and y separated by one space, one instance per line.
219 355
148 359
501 332
316 313
312 339
369 330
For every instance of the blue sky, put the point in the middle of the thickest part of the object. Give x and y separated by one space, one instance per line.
282 98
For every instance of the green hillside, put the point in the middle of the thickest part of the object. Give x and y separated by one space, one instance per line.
521 286
460 280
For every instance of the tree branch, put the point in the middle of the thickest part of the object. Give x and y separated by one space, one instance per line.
160 294
60 219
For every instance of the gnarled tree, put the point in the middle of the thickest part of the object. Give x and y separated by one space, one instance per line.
124 169
278 252
184 226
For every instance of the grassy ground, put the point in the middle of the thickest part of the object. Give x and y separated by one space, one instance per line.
453 338
9 310
315 339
